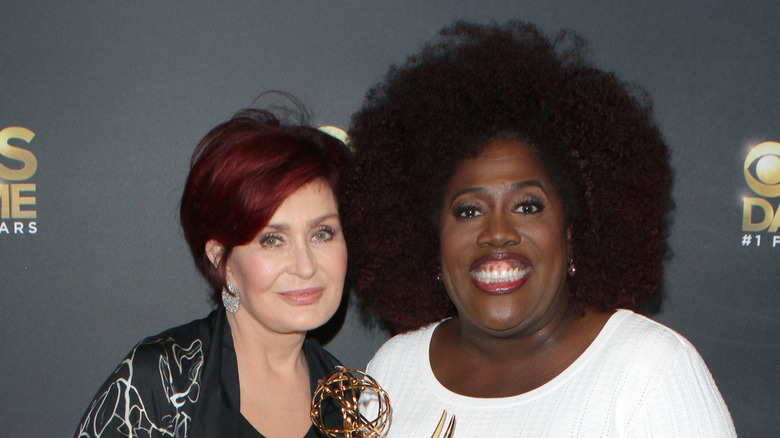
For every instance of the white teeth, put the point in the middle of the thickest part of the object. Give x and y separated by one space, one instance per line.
502 276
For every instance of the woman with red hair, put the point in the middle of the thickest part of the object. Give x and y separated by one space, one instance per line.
260 212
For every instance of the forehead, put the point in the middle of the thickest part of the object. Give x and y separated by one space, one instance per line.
501 162
312 199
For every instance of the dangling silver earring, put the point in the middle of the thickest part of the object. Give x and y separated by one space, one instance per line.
571 269
230 298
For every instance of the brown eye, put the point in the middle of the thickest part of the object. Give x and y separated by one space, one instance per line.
467 212
530 206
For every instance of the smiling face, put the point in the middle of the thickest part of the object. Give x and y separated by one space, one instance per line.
290 277
504 243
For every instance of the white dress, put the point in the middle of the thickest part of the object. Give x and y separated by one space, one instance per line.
637 379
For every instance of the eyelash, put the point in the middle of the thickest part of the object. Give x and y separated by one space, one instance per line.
266 239
466 212
325 229
470 211
536 205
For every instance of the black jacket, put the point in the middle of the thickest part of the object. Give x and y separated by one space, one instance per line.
182 383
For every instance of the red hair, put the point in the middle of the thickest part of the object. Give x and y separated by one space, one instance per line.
241 172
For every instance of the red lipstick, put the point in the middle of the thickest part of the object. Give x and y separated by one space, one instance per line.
500 273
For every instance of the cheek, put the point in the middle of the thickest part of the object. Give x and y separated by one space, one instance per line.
452 240
557 236
551 241
334 261
256 273
338 263
456 242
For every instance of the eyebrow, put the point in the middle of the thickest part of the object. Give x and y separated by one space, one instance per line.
515 186
315 221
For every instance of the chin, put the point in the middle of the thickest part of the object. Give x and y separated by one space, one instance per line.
314 321
500 323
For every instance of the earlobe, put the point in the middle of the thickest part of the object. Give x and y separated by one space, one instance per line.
214 252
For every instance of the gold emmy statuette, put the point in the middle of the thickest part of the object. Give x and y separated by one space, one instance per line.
344 388
450 427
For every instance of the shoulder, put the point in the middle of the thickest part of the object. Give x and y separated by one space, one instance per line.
400 367
196 329
407 341
402 350
667 381
178 344
646 353
631 334
157 378
181 345
634 356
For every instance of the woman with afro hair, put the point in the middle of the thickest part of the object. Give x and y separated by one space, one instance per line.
507 216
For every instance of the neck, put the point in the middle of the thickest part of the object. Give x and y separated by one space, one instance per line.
265 348
541 339
531 337
475 362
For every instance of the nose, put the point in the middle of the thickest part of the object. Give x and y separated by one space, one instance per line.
498 230
304 265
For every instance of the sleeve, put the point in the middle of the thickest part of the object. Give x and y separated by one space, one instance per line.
133 401
682 400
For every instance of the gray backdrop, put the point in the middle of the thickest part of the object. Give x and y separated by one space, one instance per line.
118 93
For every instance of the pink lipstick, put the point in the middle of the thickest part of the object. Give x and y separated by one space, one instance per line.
303 297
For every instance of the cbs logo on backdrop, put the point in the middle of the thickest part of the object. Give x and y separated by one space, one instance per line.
17 193
761 213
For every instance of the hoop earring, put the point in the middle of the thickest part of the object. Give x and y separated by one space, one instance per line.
571 269
230 298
